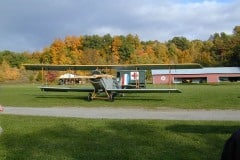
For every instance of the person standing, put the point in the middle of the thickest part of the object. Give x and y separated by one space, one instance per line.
231 150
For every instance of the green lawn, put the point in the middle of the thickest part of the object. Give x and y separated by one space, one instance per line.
26 137
222 96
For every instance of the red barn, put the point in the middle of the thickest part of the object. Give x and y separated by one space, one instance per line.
203 75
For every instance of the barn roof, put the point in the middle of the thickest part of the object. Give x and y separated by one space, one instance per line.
207 70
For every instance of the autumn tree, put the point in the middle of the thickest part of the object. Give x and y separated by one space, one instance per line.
144 56
220 50
46 57
161 52
172 52
33 57
74 52
116 45
91 56
149 55
196 49
201 52
58 52
7 72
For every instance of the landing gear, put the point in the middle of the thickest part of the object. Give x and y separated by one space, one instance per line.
112 97
121 94
90 97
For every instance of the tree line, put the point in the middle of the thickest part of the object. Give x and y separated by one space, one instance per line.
220 49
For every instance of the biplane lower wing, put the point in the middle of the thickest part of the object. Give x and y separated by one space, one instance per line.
65 89
145 90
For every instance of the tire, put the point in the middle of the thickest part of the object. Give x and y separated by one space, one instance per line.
111 97
90 98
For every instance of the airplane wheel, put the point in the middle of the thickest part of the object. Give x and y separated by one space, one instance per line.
111 97
90 98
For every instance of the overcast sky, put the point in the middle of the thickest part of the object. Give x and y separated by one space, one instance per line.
31 25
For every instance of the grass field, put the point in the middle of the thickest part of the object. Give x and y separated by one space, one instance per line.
222 96
26 137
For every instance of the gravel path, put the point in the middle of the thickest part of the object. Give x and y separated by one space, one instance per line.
131 113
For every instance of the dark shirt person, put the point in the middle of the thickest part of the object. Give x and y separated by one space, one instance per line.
231 150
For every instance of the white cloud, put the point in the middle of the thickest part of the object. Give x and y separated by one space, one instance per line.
107 30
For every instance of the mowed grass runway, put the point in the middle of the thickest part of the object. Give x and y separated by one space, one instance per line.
222 96
28 137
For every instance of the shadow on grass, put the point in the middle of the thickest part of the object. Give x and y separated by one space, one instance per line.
60 97
140 97
202 129
110 140
102 97
64 142
65 97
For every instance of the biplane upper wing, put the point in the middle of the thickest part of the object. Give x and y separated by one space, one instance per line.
117 67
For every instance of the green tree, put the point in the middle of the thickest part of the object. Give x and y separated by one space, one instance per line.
106 51
172 52
12 58
222 48
181 43
93 42
234 58
127 47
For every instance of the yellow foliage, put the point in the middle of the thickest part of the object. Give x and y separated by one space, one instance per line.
8 73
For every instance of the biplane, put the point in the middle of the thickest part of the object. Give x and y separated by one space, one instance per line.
129 79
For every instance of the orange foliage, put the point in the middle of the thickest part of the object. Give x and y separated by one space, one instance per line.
116 44
8 73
